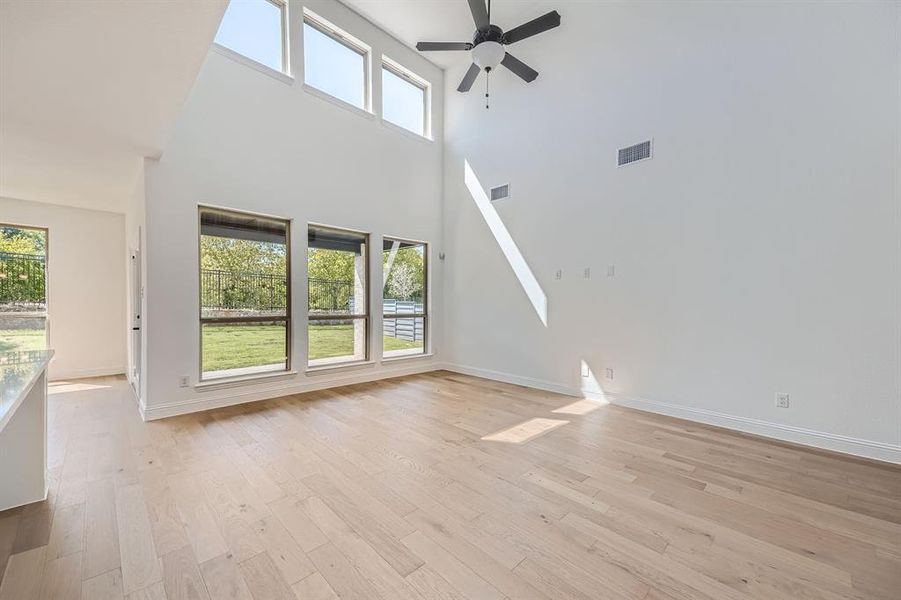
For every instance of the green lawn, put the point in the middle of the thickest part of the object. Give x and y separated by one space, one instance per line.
12 340
230 347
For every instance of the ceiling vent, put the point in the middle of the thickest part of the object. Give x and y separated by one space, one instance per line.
632 154
500 192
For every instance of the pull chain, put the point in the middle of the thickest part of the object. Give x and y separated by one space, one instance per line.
487 76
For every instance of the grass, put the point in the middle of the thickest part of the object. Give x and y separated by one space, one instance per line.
14 340
231 347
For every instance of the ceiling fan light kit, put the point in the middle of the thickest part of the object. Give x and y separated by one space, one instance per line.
488 43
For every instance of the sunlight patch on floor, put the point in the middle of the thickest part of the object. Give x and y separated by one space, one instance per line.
580 407
64 387
525 431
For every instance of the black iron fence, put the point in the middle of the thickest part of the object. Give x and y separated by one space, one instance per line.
230 291
23 282
264 292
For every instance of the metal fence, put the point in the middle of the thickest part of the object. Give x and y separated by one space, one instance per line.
230 291
23 282
411 329
331 295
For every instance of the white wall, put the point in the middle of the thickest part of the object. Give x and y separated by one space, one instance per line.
86 287
757 252
250 141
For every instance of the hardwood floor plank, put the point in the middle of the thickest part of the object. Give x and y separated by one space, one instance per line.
263 578
101 545
24 574
140 564
106 586
387 491
223 579
181 576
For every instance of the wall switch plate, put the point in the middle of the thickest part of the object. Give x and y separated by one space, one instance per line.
782 401
558 274
611 270
609 374
586 273
184 381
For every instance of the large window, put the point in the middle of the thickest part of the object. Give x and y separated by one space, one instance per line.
245 294
256 29
23 288
405 98
335 62
404 301
338 325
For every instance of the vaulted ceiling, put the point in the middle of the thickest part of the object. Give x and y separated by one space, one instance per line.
88 87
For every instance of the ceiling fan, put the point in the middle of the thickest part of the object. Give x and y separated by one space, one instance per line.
488 44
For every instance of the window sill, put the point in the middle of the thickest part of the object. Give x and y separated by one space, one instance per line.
392 359
255 65
406 132
313 91
339 367
212 384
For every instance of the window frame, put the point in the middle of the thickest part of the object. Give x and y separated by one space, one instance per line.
285 68
420 82
366 316
426 321
289 351
349 41
45 314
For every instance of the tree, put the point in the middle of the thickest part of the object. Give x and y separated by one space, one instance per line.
16 240
407 277
242 256
331 265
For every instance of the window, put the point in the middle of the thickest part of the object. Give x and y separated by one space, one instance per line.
335 62
245 294
256 29
23 288
338 295
404 301
405 98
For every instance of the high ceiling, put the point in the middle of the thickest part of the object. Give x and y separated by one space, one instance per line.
88 87
413 21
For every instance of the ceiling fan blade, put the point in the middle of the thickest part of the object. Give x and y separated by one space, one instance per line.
432 46
520 68
469 78
533 27
479 13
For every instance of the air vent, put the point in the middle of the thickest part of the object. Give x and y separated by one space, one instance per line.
500 192
634 153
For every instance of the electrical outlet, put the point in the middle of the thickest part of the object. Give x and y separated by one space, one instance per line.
587 273
611 270
184 381
610 374
558 274
782 400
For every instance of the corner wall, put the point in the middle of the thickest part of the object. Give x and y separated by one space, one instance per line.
758 251
250 141
86 287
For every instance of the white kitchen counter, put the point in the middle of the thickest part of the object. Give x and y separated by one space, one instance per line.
23 427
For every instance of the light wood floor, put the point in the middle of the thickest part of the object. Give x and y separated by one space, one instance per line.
441 486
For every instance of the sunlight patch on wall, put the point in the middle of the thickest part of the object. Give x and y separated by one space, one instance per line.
525 431
523 273
590 387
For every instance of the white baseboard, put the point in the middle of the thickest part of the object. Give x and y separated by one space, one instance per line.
296 385
538 384
786 433
85 373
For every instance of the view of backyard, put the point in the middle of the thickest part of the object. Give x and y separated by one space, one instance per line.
265 344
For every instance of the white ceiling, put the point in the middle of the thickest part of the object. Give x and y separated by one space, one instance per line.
414 21
88 87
